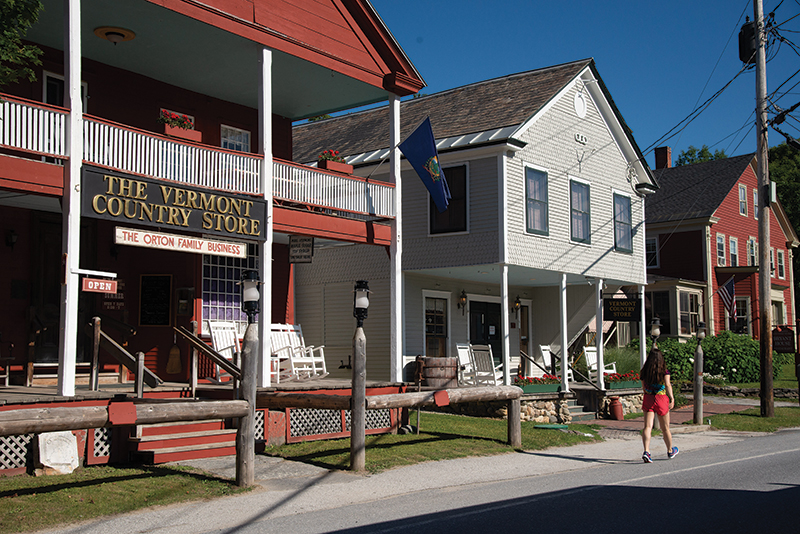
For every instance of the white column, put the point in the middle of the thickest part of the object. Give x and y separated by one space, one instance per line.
642 331
562 308
71 204
265 248
506 326
598 319
396 248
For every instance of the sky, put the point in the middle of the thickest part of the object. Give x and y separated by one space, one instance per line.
659 59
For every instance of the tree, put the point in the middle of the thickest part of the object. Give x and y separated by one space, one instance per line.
784 170
694 155
16 59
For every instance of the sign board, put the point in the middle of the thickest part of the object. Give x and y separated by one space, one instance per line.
301 249
783 340
124 198
622 310
93 285
180 243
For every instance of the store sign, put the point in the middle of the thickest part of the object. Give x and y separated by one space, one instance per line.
168 205
783 340
301 249
93 285
179 243
621 310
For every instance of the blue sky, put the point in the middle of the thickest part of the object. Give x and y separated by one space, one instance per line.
659 59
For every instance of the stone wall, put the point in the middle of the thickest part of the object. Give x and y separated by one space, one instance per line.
545 411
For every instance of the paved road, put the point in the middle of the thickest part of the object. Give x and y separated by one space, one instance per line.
721 482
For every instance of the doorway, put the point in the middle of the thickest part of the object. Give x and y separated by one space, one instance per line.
485 327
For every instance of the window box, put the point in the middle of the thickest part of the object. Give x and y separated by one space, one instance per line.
336 166
625 384
541 388
189 135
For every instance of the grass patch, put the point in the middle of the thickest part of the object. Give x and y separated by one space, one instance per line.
750 420
441 437
33 503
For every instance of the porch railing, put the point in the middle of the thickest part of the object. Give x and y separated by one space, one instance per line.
37 128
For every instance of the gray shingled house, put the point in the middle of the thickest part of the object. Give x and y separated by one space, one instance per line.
546 217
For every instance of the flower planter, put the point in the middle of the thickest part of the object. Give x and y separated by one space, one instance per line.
189 135
541 388
627 384
336 166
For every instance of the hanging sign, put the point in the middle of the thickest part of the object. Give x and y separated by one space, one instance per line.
621 310
783 340
168 205
179 243
301 249
94 285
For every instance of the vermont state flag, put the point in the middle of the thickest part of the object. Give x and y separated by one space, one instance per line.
419 148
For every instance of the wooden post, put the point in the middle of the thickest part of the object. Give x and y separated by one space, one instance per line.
698 383
140 374
514 406
358 410
246 433
193 364
95 378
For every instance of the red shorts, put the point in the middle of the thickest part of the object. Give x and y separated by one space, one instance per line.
656 403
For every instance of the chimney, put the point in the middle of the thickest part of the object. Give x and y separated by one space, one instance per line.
663 157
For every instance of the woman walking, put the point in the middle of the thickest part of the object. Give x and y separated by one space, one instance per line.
658 401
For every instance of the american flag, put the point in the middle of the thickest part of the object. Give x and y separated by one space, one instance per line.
727 293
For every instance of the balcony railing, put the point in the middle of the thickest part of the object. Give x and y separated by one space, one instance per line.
41 129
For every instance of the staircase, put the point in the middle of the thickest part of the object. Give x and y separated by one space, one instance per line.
170 442
577 413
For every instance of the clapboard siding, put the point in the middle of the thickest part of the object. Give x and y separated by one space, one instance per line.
552 147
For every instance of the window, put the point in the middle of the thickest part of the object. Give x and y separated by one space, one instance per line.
772 262
221 291
623 237
781 268
454 218
435 327
651 251
689 312
720 250
54 90
734 246
536 201
755 203
777 313
235 139
659 302
752 252
742 200
580 223
740 324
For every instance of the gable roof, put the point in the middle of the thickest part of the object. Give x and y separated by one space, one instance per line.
694 191
495 107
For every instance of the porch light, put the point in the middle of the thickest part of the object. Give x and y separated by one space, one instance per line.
113 34
11 239
655 329
462 301
250 295
516 306
645 188
360 301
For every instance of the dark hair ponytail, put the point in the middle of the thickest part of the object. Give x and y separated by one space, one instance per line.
654 368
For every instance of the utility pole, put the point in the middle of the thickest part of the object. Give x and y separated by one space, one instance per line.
762 171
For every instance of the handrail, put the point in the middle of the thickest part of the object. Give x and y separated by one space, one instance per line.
124 357
210 353
522 353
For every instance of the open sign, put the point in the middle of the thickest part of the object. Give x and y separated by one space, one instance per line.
94 285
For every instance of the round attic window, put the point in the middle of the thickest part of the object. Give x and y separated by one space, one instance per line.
580 104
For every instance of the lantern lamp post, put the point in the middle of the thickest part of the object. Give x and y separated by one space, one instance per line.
359 386
246 432
698 374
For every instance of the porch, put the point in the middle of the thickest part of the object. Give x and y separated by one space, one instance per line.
34 130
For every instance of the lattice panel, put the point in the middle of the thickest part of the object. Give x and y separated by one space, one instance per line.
102 442
260 424
14 451
374 419
313 422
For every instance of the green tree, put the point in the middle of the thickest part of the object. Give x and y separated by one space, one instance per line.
16 59
698 155
784 170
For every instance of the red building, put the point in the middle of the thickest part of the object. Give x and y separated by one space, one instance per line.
702 229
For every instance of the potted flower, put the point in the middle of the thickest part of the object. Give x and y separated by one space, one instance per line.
538 384
332 161
179 126
630 379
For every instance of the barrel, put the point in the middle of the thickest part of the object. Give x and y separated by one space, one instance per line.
440 372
